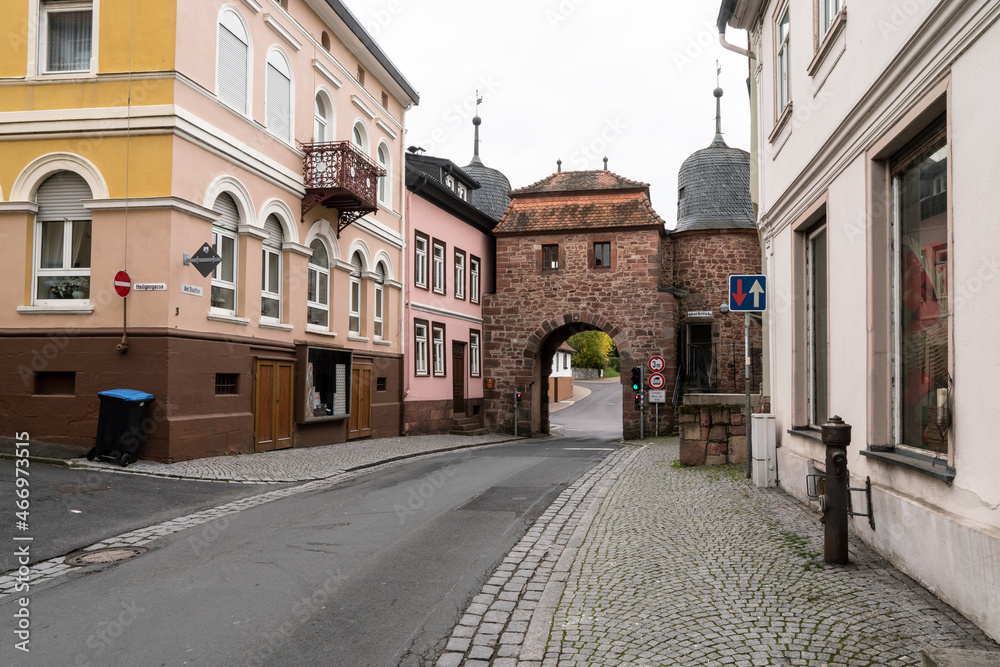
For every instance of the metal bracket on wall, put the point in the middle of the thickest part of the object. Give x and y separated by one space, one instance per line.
867 488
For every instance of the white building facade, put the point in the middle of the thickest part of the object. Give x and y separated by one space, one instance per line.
877 159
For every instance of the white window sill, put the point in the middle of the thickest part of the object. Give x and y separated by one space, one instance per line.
379 341
265 324
81 309
357 339
313 328
228 318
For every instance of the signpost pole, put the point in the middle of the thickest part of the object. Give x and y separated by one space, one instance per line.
746 367
656 431
642 404
516 410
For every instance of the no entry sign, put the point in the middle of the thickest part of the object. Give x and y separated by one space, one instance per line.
123 284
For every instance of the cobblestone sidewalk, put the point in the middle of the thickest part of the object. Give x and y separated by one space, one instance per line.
300 465
694 567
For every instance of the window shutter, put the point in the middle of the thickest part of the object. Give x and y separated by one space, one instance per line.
275 235
229 215
233 55
60 197
279 95
357 266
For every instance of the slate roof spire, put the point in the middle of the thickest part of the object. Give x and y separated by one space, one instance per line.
477 121
718 140
492 197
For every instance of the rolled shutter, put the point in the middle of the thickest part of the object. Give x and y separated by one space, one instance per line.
358 267
279 96
233 73
275 235
61 197
229 215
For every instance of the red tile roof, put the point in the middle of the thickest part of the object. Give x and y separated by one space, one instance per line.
580 181
614 209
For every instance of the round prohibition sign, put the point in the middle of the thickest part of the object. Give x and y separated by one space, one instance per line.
123 284
657 381
656 364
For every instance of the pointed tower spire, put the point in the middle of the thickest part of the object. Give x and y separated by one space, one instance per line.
477 121
718 140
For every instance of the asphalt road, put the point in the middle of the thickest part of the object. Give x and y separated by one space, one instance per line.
375 571
73 508
596 416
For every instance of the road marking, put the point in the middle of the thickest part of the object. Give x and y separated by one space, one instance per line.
589 449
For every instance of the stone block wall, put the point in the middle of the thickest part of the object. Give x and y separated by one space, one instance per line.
712 434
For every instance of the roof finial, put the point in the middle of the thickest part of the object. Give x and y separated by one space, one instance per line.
605 163
477 121
559 165
718 106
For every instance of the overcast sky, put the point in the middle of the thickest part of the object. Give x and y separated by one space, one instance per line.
569 79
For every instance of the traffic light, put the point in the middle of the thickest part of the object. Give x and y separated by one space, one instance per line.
636 379
517 397
638 400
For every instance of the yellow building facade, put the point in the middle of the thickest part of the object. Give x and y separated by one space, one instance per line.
133 135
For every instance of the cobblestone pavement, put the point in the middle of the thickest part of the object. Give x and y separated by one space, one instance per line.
694 566
339 462
299 465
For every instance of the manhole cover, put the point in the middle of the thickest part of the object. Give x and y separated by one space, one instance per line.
98 556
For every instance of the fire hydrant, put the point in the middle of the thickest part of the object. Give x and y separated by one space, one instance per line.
836 436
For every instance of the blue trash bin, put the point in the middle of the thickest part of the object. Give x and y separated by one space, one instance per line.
119 425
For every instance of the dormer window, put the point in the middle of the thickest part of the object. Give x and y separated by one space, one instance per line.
450 182
462 192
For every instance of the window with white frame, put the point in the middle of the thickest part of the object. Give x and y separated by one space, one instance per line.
420 243
817 338
66 35
420 347
379 295
437 268
357 266
383 181
360 137
232 69
783 62
278 102
438 349
318 287
323 119
474 354
828 12
225 242
63 240
474 279
270 275
459 274
463 194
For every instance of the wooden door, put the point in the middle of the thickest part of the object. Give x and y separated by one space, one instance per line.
272 405
360 423
458 376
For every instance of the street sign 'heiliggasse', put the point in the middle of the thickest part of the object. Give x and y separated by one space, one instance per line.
748 293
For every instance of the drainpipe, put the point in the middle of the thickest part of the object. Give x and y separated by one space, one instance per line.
726 13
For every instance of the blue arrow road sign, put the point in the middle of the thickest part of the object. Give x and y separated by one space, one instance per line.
747 293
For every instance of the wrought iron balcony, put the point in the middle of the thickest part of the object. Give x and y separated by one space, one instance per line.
340 176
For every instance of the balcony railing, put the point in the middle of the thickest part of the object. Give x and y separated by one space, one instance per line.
340 176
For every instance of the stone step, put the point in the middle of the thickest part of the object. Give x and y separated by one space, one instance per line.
466 426
945 657
477 431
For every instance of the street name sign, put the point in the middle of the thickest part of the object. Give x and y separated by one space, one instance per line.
150 287
748 293
123 284
193 290
657 381
205 260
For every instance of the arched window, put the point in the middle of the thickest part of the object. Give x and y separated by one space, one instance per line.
325 40
357 266
383 181
323 119
360 137
63 237
225 242
270 284
278 105
379 306
233 71
318 289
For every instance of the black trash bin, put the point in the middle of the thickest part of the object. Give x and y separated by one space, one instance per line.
119 425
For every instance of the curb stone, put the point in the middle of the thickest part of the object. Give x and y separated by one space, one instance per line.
510 634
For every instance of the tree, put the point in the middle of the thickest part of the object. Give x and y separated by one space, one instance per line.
592 349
